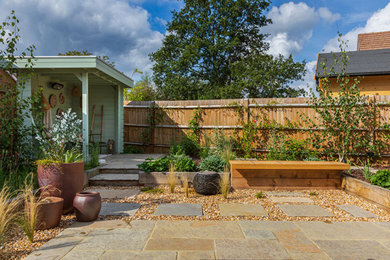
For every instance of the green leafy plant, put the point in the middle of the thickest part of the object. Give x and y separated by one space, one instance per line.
366 169
151 190
151 165
213 162
65 133
345 122
187 146
313 193
260 195
289 149
182 163
93 159
72 156
130 149
195 131
381 178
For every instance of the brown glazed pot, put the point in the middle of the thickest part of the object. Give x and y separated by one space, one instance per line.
49 213
87 205
62 180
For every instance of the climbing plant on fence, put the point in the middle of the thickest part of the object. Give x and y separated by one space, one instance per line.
345 124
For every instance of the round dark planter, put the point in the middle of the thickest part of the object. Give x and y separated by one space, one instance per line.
87 205
49 213
206 183
62 180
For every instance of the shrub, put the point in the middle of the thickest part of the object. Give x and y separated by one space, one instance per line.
381 178
132 149
182 163
213 162
187 146
151 165
290 150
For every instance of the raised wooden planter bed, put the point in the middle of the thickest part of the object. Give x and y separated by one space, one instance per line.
291 175
373 193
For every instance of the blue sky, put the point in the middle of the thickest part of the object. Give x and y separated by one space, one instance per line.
128 30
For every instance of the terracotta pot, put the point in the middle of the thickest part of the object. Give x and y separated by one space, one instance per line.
87 205
49 213
62 180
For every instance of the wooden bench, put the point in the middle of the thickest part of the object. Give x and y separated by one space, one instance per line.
291 175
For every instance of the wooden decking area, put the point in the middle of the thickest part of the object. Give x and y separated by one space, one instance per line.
270 175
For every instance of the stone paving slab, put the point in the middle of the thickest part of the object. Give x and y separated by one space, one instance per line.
145 255
115 239
91 254
197 229
85 226
259 234
304 210
55 248
119 209
196 255
175 244
294 241
179 209
291 200
317 230
356 211
354 249
266 225
250 249
116 194
285 193
237 209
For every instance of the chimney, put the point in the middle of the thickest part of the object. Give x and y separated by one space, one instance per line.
373 41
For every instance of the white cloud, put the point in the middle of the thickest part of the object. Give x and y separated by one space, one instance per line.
379 21
308 83
106 27
293 24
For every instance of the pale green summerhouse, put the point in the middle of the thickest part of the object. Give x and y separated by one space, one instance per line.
81 83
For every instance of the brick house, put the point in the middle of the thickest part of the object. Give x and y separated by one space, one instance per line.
370 63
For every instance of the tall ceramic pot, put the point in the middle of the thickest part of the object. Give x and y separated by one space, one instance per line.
73 183
61 180
49 213
87 205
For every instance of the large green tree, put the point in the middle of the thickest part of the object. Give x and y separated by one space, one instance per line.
216 49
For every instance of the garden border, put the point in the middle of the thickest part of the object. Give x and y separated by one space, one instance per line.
375 194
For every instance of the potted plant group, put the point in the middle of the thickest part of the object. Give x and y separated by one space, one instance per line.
61 169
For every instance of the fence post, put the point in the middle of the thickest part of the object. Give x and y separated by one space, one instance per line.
153 126
248 112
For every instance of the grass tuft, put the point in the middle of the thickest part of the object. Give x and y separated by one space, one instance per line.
260 195
151 190
172 178
28 220
224 183
8 211
313 193
185 184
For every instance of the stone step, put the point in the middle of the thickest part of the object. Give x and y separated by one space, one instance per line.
114 180
118 171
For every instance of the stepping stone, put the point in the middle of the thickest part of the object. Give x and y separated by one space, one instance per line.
285 193
356 211
180 209
304 210
292 199
115 177
119 209
116 194
236 209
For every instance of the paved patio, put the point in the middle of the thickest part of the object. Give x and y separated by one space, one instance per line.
143 239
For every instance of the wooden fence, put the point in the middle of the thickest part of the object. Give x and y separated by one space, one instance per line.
172 118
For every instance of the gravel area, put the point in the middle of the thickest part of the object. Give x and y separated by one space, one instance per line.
328 199
17 245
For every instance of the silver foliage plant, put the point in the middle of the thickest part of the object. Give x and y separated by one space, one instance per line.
65 134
